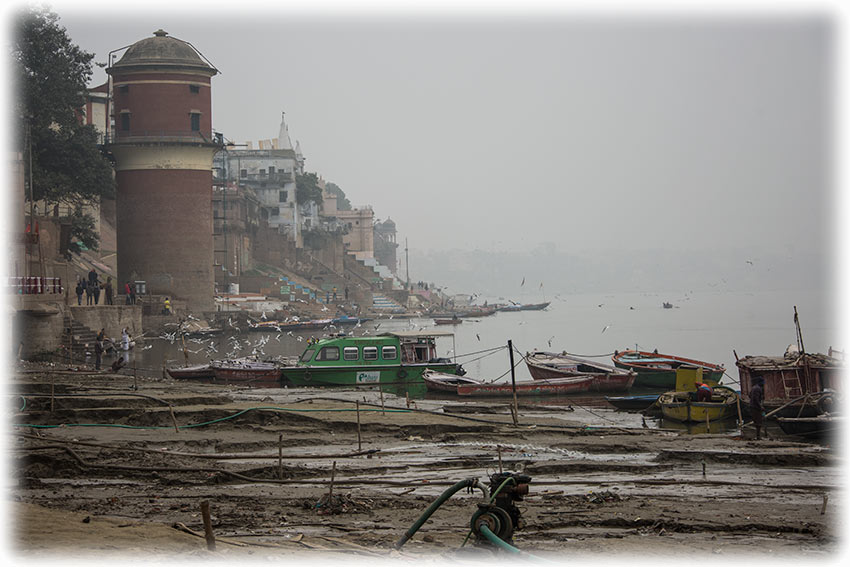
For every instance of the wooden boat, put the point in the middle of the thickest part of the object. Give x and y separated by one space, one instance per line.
534 306
196 372
656 370
547 365
247 372
823 426
392 358
682 405
440 382
452 321
556 386
796 381
632 403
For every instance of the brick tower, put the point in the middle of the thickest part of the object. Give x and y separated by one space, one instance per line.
163 148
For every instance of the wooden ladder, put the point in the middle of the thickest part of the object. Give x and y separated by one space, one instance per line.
792 385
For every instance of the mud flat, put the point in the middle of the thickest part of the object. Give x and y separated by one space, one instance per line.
302 472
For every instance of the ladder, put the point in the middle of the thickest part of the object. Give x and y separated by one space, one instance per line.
792 385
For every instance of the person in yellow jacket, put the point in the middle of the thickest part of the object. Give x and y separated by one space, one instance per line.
166 308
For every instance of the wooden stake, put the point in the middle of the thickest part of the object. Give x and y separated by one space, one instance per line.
825 500
383 413
331 487
135 376
280 456
707 426
208 533
513 381
52 389
173 418
499 448
407 399
359 448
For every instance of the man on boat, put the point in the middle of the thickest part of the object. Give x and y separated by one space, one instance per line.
704 392
757 404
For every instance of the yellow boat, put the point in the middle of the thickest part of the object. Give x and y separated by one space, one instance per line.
682 405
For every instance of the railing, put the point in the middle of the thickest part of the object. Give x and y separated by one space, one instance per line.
35 285
167 135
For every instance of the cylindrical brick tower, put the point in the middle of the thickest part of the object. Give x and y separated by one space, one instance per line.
163 148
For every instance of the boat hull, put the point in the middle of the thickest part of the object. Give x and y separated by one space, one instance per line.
632 403
197 372
444 383
680 407
389 374
547 366
659 370
534 388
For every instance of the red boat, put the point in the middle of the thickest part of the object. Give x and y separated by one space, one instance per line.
556 386
247 372
440 382
549 365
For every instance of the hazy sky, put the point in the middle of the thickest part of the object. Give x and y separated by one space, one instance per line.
503 132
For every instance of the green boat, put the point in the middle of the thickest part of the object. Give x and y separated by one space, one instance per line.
656 370
396 360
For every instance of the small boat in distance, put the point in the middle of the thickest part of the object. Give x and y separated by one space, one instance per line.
534 306
656 370
453 321
547 365
246 371
196 372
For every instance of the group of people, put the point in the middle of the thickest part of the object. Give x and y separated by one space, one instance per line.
91 287
102 344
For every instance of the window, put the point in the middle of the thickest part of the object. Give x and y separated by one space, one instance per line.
389 353
243 173
308 354
350 353
195 119
370 353
274 211
124 89
262 173
194 89
125 121
328 353
282 196
271 170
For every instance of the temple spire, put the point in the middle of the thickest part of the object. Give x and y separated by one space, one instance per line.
283 141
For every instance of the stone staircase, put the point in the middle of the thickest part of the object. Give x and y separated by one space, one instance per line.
83 338
384 304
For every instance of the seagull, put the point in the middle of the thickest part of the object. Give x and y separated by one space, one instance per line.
523 282
604 328
478 336
263 316
750 262
550 340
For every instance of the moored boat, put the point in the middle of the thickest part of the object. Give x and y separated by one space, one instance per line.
548 365
656 370
555 386
246 372
440 382
452 321
822 427
683 405
534 306
632 403
196 372
397 358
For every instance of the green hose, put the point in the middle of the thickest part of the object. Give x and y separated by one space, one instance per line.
495 540
469 482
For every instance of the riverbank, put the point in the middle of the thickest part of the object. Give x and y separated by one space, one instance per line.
127 470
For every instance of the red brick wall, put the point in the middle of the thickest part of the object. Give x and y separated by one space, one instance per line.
160 103
165 233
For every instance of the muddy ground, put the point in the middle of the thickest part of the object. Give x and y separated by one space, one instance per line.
116 479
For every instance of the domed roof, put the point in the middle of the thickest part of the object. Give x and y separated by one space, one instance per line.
388 224
162 51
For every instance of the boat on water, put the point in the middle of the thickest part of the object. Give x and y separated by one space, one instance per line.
683 405
246 372
397 358
440 382
656 370
534 306
195 372
547 365
555 386
632 403
452 321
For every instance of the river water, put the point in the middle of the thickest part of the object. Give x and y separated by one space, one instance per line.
704 326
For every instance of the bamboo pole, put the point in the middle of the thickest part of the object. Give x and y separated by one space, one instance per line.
825 500
331 486
513 381
499 448
359 447
52 390
280 456
381 389
208 533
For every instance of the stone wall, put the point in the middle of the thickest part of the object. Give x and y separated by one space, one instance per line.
111 318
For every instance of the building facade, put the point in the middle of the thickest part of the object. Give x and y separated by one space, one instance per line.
163 148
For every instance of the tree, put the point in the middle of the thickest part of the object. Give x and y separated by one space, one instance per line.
52 72
342 202
307 189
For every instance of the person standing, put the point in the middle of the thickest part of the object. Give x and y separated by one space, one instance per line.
127 293
89 293
98 350
346 293
757 404
107 288
704 392
97 285
166 308
79 290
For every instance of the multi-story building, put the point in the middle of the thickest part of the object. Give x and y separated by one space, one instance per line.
385 244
